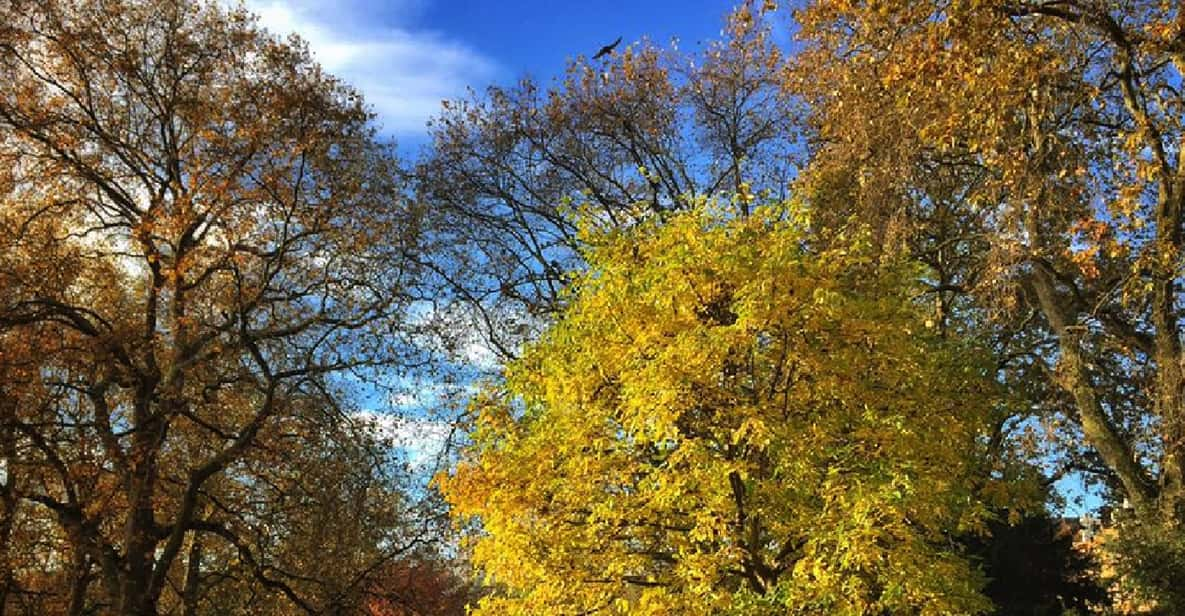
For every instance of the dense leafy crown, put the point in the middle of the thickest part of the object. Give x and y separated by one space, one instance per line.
727 418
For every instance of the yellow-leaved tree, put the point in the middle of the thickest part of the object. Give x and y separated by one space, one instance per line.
731 417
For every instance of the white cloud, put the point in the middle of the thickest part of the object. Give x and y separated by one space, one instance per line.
463 332
402 72
422 440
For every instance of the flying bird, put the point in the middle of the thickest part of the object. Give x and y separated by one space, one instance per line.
607 49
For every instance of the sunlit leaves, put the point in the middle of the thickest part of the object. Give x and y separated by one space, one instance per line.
727 418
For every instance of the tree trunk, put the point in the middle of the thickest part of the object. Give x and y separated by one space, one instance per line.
190 593
80 583
8 499
1169 377
1074 378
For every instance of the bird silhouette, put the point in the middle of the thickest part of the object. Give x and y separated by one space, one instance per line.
607 49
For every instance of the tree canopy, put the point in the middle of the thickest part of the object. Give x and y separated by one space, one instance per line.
1049 128
201 244
728 418
787 327
1035 147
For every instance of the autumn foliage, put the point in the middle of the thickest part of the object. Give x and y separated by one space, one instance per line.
1051 131
199 235
805 321
729 418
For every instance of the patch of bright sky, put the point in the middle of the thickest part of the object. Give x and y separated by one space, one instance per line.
1079 496
419 439
417 410
403 72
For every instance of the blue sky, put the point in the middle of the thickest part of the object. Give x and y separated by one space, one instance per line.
407 55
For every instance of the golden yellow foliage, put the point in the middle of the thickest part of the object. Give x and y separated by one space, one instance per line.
729 419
